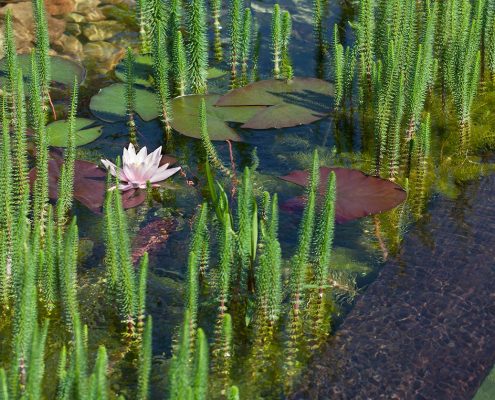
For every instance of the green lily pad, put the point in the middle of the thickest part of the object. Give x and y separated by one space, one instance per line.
63 70
143 71
215 73
185 111
86 132
297 102
109 104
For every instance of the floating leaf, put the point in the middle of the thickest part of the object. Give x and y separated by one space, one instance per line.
297 102
86 132
143 71
63 70
185 110
89 183
358 194
109 104
215 73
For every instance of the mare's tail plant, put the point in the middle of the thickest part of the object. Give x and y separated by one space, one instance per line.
236 39
276 40
130 95
197 47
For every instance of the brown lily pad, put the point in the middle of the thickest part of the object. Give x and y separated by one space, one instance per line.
288 103
358 194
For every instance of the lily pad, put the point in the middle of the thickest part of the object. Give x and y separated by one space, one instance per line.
297 102
143 71
185 111
358 194
63 70
86 132
109 104
215 73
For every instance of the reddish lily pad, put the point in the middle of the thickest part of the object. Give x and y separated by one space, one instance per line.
89 183
358 194
185 111
297 102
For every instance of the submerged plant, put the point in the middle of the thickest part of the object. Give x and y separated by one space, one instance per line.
236 39
216 8
130 95
276 40
140 168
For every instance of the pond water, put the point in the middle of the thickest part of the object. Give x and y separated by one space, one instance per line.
361 248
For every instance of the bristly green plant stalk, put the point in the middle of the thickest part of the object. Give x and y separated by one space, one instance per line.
216 8
233 393
245 46
142 16
365 39
255 74
490 49
141 293
66 182
245 214
285 33
338 68
179 65
201 367
161 73
236 26
180 369
276 40
98 380
145 359
269 270
6 169
319 36
197 46
130 95
38 115
42 49
47 271
222 352
211 153
36 366
421 152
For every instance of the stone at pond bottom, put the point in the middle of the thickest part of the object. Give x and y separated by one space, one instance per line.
103 55
75 17
22 14
70 46
95 15
59 7
85 6
73 28
102 30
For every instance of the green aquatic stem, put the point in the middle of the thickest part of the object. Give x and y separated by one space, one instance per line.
286 69
180 369
6 170
233 393
197 47
276 45
201 367
143 19
66 183
47 279
216 8
145 360
36 365
222 351
130 94
236 28
98 381
245 51
210 151
338 68
245 214
161 74
179 65
255 74
366 39
42 49
141 292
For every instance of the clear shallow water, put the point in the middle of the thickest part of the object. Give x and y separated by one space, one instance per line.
279 152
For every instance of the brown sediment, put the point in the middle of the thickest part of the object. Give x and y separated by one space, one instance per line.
425 328
152 237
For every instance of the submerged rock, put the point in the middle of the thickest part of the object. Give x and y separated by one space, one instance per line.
59 7
102 30
102 56
69 45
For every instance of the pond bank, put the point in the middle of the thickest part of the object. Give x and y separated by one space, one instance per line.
425 328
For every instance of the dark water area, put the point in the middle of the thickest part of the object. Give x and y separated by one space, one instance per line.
425 328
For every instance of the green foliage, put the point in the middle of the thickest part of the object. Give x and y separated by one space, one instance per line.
245 48
180 370
366 39
161 73
145 359
233 393
42 48
98 379
197 47
236 39
201 366
276 40
216 8
130 95
179 66
143 18
66 183
286 69
141 288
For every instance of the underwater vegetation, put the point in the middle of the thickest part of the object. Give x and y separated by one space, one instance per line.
253 312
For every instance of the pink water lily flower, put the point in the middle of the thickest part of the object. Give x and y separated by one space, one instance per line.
140 168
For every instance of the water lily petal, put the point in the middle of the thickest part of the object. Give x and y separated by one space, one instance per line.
142 155
114 170
163 174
